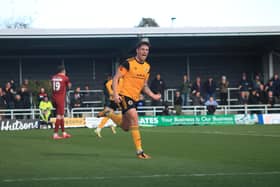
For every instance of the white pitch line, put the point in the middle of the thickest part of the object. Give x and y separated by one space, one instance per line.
221 133
138 176
239 134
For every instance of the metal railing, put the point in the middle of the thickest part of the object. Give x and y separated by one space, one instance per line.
20 113
187 110
146 110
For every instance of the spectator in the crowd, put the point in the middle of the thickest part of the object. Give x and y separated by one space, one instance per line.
86 94
257 82
254 98
196 86
276 85
211 105
223 90
19 104
3 103
243 99
263 94
185 89
76 101
178 103
13 84
9 96
269 86
244 85
197 100
42 93
158 86
25 84
271 100
46 109
210 88
166 111
25 97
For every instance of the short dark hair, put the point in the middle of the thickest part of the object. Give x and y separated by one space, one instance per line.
60 69
144 41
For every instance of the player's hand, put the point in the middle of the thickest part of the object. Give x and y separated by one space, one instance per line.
156 97
117 99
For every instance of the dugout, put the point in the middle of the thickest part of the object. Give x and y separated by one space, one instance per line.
91 54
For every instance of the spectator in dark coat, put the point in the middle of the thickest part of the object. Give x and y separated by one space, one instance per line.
254 98
197 100
9 96
185 89
257 82
165 111
223 90
178 103
245 85
25 97
262 93
271 101
3 103
196 86
158 86
269 86
276 85
19 104
210 88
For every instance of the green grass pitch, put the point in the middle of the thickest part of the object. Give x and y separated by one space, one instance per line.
181 156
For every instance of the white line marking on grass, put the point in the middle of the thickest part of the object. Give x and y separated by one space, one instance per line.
221 133
138 176
238 134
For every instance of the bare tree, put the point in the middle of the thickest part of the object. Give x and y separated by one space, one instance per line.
148 22
18 23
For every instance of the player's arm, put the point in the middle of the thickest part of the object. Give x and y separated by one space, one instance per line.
149 92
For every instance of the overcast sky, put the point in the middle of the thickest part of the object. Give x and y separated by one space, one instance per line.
128 13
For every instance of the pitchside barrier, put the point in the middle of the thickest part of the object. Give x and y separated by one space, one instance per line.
22 119
153 121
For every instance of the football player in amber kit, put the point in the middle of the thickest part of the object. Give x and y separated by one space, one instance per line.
134 73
